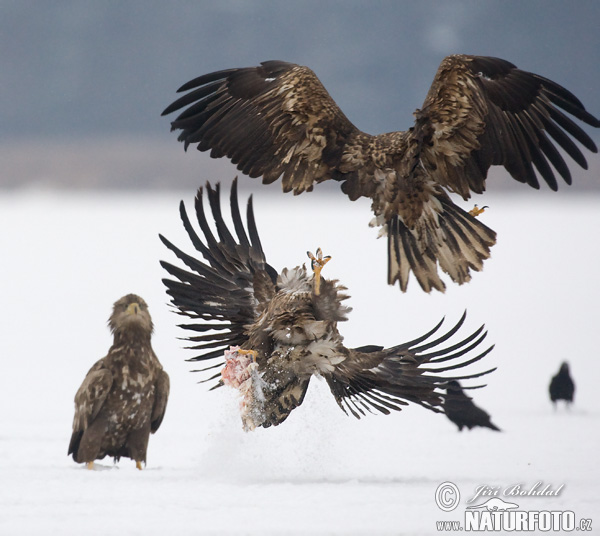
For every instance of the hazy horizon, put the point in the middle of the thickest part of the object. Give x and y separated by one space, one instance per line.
84 82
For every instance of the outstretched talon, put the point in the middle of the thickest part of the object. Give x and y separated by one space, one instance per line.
317 263
476 211
253 353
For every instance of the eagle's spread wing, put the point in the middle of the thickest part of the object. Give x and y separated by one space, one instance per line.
272 120
278 119
161 396
384 379
483 111
91 396
229 290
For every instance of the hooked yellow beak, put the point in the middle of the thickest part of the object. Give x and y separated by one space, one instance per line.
133 309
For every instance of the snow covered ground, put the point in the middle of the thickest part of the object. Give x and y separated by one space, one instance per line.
65 258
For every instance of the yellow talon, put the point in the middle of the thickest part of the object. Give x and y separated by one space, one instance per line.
89 465
476 211
317 263
253 353
138 465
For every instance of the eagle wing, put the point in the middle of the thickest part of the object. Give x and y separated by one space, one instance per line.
227 291
161 396
483 111
90 397
273 120
278 119
385 379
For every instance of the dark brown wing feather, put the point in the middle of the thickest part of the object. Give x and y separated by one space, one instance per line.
372 378
161 397
91 395
483 111
228 290
89 400
272 120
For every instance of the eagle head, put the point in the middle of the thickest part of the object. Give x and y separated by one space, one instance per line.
130 315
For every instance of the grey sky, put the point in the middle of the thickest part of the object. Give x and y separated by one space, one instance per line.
89 69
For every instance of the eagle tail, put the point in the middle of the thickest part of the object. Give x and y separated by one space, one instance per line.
74 443
444 235
284 398
268 396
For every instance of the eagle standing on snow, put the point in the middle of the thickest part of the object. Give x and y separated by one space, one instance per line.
124 395
272 331
278 120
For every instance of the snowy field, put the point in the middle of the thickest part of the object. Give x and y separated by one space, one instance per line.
67 257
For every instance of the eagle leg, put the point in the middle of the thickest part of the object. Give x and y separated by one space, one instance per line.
138 465
317 263
476 211
89 465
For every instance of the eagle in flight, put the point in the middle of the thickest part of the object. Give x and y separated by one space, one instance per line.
271 331
277 120
123 397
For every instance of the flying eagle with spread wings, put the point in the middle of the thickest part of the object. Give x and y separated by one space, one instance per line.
272 331
277 120
123 397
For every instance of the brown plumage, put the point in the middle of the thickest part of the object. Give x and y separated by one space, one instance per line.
277 120
272 331
124 395
462 411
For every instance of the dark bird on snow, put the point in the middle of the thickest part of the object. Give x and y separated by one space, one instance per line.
271 331
124 395
277 120
562 386
461 410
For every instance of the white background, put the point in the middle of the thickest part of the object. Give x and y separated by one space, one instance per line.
66 258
